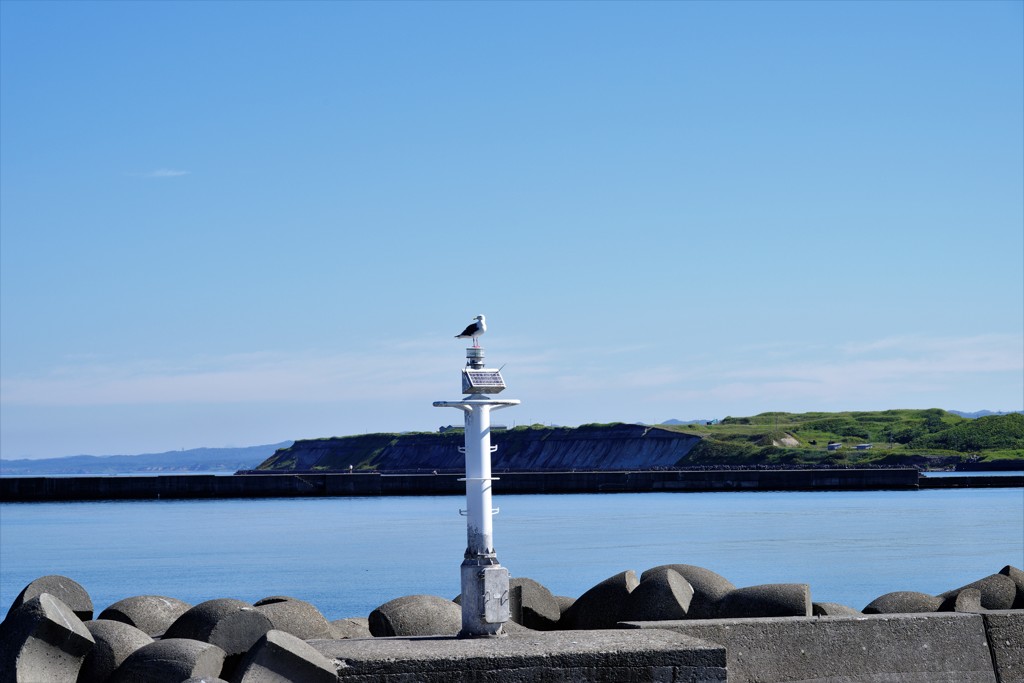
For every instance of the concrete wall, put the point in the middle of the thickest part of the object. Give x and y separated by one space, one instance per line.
27 489
612 656
910 648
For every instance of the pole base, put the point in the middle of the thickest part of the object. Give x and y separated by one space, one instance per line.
485 598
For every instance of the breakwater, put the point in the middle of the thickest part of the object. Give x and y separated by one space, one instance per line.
31 489
673 622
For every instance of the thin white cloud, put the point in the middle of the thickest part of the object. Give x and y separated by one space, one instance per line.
241 378
896 371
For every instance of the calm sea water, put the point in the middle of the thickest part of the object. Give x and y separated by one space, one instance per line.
348 555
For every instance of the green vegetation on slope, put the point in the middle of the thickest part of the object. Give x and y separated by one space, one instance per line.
927 438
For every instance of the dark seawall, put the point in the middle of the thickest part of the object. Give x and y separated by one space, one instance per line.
28 489
33 489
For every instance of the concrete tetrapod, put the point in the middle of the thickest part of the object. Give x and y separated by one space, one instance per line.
903 602
533 605
1018 578
43 640
294 616
355 627
603 606
232 625
708 588
998 591
768 600
663 595
66 590
152 614
564 603
115 642
967 600
278 657
416 615
170 661
832 609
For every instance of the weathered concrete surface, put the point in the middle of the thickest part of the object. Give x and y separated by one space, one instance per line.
708 588
115 642
171 661
832 609
608 656
43 640
1018 578
232 625
416 615
768 600
998 591
661 595
280 656
294 616
532 604
602 606
68 591
152 614
353 627
903 602
906 648
1005 632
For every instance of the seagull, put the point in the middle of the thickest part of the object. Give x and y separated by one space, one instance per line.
474 330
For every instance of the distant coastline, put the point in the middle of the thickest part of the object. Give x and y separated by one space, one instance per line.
928 440
192 461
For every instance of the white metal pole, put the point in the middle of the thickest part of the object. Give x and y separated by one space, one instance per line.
479 526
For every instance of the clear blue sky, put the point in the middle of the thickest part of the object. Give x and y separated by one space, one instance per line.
242 223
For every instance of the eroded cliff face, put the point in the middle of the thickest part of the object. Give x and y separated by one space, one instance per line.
592 447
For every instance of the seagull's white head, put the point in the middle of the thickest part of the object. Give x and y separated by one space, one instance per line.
479 317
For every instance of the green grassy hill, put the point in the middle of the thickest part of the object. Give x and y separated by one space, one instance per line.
928 438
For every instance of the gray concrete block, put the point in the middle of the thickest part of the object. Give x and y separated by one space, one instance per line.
907 648
205 679
232 625
510 627
663 595
1005 631
832 609
998 591
115 642
564 603
43 640
356 627
416 615
280 657
605 656
603 605
903 602
768 600
533 605
966 600
171 661
152 614
64 589
294 616
708 588
1018 578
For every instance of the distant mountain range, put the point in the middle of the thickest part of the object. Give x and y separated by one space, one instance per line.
170 462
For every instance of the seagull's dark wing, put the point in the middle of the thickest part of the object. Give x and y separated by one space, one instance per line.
469 331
